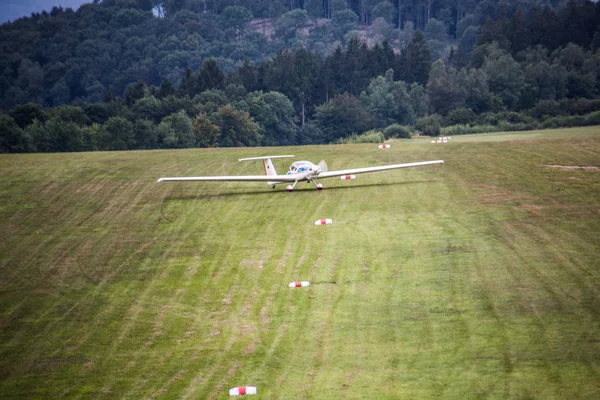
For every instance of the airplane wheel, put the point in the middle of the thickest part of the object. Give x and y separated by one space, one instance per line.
290 188
319 186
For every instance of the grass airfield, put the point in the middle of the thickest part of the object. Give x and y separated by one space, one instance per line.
476 279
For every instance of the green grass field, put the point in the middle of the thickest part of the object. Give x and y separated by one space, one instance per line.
476 279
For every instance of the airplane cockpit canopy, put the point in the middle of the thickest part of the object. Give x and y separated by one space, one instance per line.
301 166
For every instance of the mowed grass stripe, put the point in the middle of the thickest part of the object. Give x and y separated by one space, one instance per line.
475 279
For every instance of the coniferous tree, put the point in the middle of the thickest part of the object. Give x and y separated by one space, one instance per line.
166 89
187 86
247 75
335 75
518 32
134 92
355 60
210 76
307 69
415 61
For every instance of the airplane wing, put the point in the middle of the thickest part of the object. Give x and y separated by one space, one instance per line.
330 174
246 178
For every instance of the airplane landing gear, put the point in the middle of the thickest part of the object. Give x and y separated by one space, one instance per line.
291 187
319 186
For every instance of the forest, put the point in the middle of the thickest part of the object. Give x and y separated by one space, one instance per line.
144 74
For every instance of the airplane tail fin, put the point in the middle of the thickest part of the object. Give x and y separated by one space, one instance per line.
269 167
267 162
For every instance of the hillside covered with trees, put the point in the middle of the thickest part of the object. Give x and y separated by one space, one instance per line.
144 74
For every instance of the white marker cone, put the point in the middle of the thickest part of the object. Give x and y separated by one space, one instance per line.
299 284
324 222
242 390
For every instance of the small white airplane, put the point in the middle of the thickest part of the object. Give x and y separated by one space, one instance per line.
299 171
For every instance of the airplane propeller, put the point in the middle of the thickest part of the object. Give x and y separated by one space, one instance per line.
323 166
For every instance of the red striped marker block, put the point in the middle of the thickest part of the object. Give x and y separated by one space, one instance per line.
385 146
344 177
242 390
299 284
324 222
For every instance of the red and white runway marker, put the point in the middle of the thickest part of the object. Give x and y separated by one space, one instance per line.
327 221
345 177
385 146
299 284
242 390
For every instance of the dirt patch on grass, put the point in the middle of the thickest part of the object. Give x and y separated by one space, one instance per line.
495 195
170 383
252 346
574 167
456 249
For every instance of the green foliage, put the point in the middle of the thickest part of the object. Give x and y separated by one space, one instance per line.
12 138
344 115
289 24
388 101
384 10
275 114
314 8
74 114
573 120
545 109
419 100
548 80
116 134
237 127
145 134
343 22
460 116
235 17
466 129
176 131
372 136
199 56
134 92
207 133
436 30
475 89
505 76
443 88
415 60
210 77
398 131
25 114
429 125
468 41
579 106
382 30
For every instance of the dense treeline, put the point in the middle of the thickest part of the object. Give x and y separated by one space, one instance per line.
115 76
